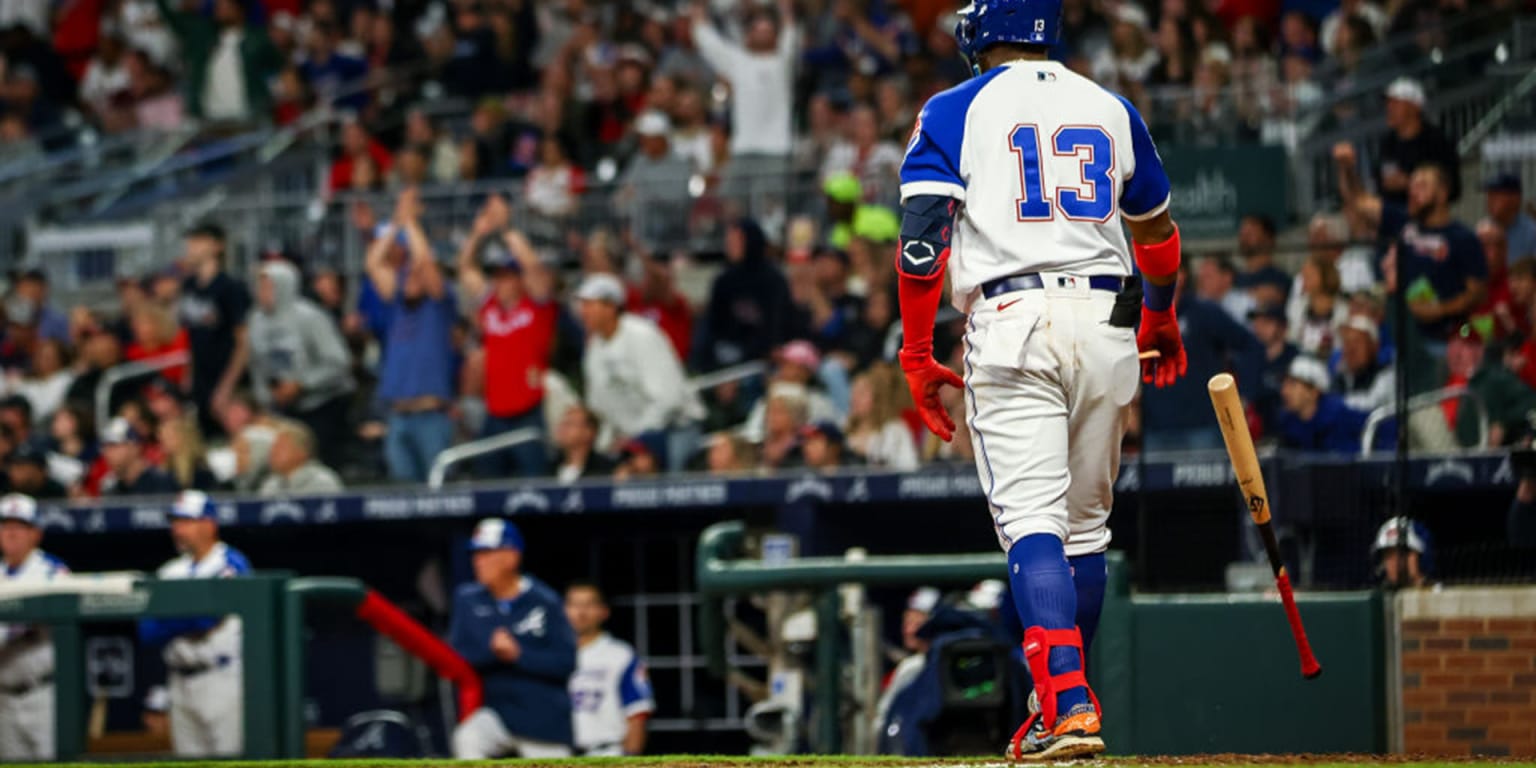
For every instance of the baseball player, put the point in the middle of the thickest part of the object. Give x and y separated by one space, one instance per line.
1017 181
26 652
512 629
202 654
611 697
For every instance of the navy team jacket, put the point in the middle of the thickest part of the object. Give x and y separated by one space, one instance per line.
529 695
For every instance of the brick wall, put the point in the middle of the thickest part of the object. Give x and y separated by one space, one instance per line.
1468 671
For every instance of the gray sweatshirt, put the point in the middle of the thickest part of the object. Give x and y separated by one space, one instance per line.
296 341
313 477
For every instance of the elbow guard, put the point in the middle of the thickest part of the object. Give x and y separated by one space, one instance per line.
927 224
1158 259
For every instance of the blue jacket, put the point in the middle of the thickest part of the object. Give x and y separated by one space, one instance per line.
529 695
1335 428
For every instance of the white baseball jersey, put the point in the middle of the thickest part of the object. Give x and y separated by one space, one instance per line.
35 662
609 687
1045 162
203 656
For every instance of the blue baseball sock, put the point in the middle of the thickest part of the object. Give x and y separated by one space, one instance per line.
1044 595
1089 573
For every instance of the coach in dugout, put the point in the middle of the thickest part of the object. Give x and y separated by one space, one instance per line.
512 629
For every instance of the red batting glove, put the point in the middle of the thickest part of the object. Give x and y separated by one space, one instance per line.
925 377
1160 331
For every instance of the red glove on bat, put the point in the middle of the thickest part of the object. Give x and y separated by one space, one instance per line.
1160 331
925 378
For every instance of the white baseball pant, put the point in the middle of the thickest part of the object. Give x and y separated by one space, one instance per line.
482 736
26 725
208 712
1048 386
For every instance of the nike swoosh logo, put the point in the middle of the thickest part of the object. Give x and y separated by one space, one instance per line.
1007 304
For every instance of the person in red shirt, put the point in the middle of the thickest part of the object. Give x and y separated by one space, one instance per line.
356 145
658 300
156 334
516 321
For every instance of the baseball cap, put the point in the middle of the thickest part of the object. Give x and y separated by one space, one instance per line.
1503 182
1398 531
118 432
601 287
1362 324
18 507
652 123
843 187
495 533
825 429
923 599
1309 370
1270 312
193 505
1406 89
800 352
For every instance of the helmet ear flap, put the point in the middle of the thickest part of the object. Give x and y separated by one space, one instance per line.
965 35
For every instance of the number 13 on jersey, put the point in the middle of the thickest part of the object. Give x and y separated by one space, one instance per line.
1091 199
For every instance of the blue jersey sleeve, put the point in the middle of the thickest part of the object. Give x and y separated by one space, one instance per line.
635 689
932 164
1146 192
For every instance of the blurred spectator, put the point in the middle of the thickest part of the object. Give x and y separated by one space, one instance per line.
153 102
831 309
868 158
1319 310
443 160
157 335
1441 260
1269 327
634 381
330 73
692 138
760 72
1128 61
291 97
48 380
1328 239
749 305
20 338
658 299
823 129
653 191
576 441
635 460
1412 143
876 335
416 382
876 430
71 434
797 364
411 169
783 417
822 446
1214 279
1264 281
17 144
129 473
32 285
1495 317
1311 418
1504 198
226 62
1363 380
1365 10
184 457
299 362
253 451
294 470
27 472
1507 401
554 186
358 150
213 309
516 318
1522 295
16 415
728 453
100 352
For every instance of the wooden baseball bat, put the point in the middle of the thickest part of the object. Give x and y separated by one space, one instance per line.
1245 465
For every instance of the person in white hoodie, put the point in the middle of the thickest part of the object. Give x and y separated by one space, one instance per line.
634 381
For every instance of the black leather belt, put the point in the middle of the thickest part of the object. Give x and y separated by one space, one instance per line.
193 671
22 690
1033 281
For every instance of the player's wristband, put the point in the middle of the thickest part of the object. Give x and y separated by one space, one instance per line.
1158 298
1158 260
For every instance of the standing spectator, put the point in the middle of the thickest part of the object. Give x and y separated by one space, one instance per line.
1214 281
299 361
202 654
512 629
156 335
1411 143
634 381
822 446
1264 281
874 162
129 473
416 383
761 75
1445 273
1363 380
1269 327
749 304
576 440
213 309
657 299
26 652
27 471
653 192
185 459
611 697
1328 239
1312 419
227 62
876 430
294 470
1504 198
516 319
32 285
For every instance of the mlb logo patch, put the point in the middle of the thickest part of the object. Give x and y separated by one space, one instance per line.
1046 77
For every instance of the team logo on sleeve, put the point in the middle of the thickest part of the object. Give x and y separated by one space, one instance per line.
917 131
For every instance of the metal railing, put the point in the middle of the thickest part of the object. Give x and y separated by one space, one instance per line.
117 374
1421 402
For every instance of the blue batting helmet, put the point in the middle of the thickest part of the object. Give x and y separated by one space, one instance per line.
984 23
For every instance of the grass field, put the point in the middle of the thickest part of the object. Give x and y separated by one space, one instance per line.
814 761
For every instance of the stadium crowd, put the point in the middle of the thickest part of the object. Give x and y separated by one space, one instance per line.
675 126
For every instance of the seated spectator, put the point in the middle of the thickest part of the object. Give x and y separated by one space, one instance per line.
292 464
1312 419
783 417
798 362
1363 380
1504 195
100 352
1321 309
73 435
16 415
253 453
634 381
1268 325
554 186
576 442
1507 401
299 363
1214 281
822 446
330 72
411 169
154 103
1260 277
27 471
357 147
129 473
635 460
876 431
1515 320
749 310
32 285
828 308
862 153
1497 303
653 192
184 459
444 157
49 379
658 299
156 334
729 453
1328 239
